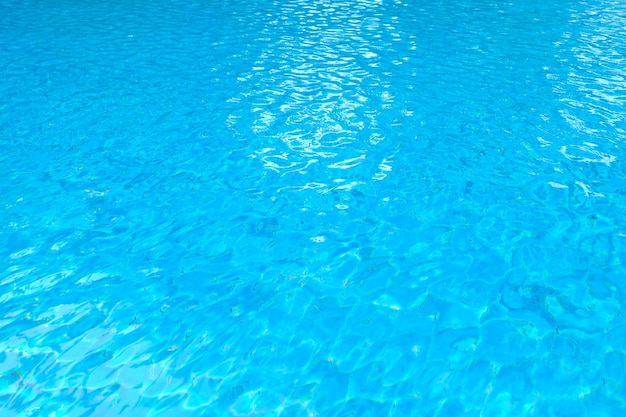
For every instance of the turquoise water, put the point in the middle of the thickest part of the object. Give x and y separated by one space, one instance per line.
301 208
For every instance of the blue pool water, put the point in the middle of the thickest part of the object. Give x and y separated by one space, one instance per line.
312 208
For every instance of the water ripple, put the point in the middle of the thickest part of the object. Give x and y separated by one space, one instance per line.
310 207
310 86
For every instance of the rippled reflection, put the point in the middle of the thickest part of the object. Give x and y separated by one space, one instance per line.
593 92
337 92
313 92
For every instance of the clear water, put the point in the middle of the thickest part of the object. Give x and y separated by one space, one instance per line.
299 208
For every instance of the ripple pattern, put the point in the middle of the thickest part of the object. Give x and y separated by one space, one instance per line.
317 93
297 208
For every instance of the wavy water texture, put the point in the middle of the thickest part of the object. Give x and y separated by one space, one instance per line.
301 208
316 92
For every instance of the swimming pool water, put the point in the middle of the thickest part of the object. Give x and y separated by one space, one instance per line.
300 208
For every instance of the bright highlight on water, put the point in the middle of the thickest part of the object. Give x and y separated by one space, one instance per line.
312 208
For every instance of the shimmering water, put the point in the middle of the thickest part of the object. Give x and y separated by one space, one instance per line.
299 208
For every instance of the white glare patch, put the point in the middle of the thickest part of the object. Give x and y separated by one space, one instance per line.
58 246
96 276
23 252
595 156
543 142
318 239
